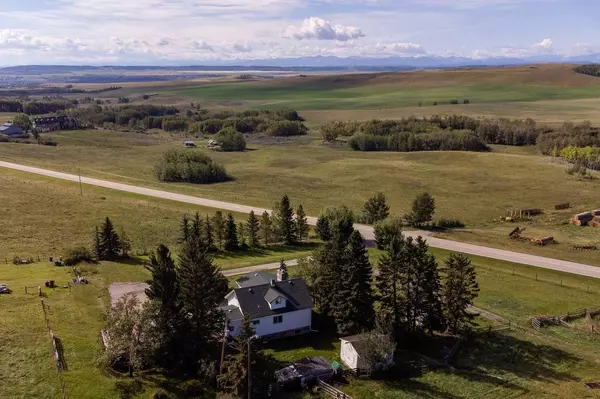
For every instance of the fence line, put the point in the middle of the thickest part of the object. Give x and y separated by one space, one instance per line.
55 349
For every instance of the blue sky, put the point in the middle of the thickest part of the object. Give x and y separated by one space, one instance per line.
173 31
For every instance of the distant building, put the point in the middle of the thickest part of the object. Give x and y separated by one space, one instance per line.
189 144
52 123
277 306
12 131
354 352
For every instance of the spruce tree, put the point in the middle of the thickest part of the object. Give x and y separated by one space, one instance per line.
184 229
231 237
208 234
201 290
283 219
323 229
389 282
98 252
241 230
235 380
252 230
110 244
302 227
460 289
266 227
354 308
197 229
431 288
375 209
218 224
328 260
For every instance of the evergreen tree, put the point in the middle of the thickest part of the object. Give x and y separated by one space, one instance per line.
208 234
164 290
218 224
110 244
266 227
323 229
231 237
431 289
184 229
353 311
235 380
252 230
98 253
125 244
241 230
283 219
375 209
302 227
201 290
340 224
197 229
328 261
389 282
460 289
422 210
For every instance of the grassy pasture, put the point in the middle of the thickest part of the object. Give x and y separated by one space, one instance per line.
473 187
397 90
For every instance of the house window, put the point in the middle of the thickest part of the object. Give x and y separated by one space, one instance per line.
277 301
255 322
277 319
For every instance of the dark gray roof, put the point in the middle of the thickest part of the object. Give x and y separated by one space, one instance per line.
252 299
255 278
271 295
232 312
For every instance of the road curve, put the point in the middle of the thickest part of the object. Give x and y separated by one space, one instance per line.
367 231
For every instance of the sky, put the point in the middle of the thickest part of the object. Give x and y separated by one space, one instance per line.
102 32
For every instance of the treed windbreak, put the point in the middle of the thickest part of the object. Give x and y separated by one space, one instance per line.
191 167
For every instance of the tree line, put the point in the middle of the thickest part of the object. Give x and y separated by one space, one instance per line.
408 142
590 69
35 107
569 135
589 157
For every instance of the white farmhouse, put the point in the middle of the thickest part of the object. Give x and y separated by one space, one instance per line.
277 306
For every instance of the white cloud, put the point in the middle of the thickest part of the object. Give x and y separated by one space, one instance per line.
321 29
544 44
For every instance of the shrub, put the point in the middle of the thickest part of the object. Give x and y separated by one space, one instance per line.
212 126
286 128
189 166
231 140
385 230
161 394
454 101
450 224
77 255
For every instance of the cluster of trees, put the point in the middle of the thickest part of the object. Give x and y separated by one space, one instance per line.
284 122
231 140
569 135
588 157
147 115
410 295
408 142
221 232
35 107
189 166
591 69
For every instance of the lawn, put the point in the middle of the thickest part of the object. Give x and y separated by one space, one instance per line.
473 187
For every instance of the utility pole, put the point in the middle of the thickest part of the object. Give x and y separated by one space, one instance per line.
80 185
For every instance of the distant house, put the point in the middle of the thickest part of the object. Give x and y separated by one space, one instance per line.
52 123
12 131
277 306
356 350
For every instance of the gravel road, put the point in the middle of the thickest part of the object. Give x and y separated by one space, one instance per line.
367 231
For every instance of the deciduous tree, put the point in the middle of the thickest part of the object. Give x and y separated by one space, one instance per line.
422 210
375 209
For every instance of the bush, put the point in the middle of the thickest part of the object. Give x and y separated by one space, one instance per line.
212 126
189 166
231 140
286 128
450 224
385 230
77 255
193 388
161 394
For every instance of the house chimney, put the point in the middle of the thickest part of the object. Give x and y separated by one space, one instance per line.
282 273
272 283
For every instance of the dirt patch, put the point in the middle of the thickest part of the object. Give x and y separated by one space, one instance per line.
118 290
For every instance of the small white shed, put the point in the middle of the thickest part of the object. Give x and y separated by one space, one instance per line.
354 351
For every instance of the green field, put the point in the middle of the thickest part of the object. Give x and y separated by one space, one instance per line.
473 187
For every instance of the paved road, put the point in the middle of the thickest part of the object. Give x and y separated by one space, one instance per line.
367 231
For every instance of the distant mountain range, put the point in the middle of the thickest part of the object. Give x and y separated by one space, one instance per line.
317 63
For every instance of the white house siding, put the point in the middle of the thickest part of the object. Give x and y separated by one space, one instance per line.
348 355
291 321
233 301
